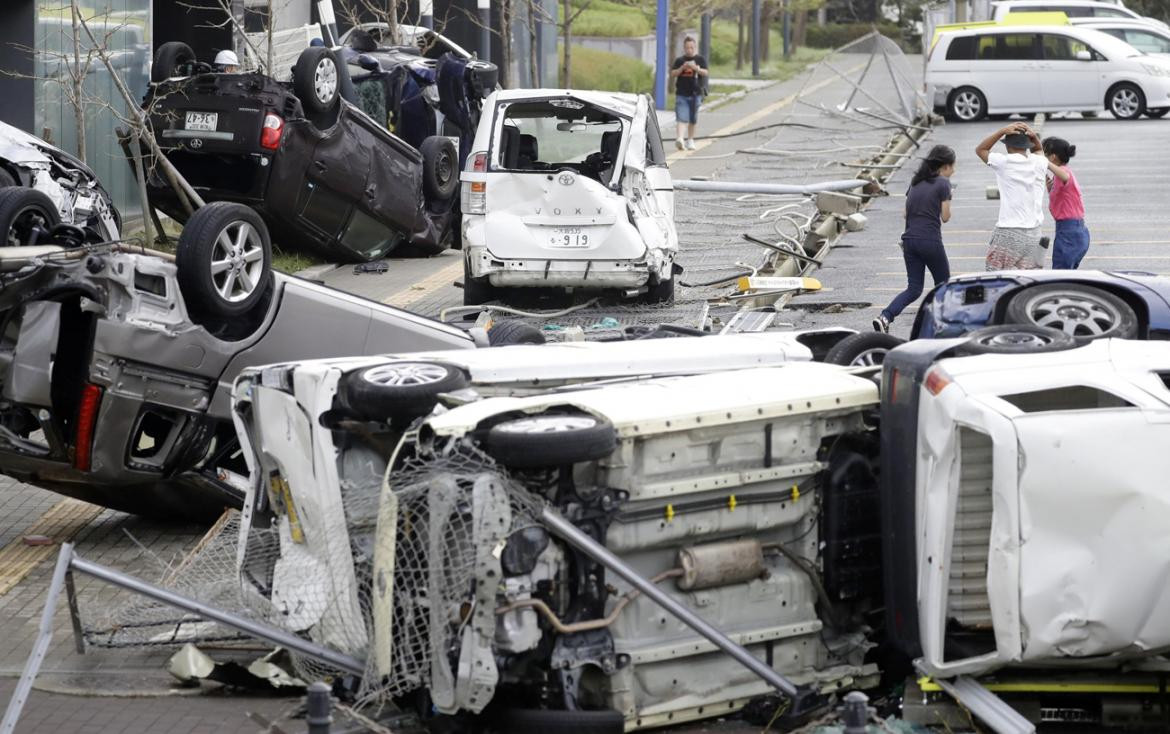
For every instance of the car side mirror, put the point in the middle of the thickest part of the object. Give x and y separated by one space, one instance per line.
1084 56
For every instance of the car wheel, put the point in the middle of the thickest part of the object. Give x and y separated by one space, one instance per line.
1126 102
504 333
398 390
966 104
660 292
864 349
510 720
316 80
1157 112
26 216
552 439
1077 310
1016 339
477 291
224 260
168 58
482 77
440 167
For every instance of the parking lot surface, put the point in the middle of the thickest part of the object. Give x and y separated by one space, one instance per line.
1123 169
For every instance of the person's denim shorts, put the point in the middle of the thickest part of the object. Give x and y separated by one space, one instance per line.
686 109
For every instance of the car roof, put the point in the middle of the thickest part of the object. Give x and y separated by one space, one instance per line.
1057 3
1135 23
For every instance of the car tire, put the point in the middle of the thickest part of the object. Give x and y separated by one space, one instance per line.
440 167
477 291
1015 339
660 292
169 56
1156 113
514 332
864 349
550 440
26 216
316 80
399 390
966 104
224 260
513 721
1080 311
482 77
1126 101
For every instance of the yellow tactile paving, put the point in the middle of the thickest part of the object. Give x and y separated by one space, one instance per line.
59 523
416 291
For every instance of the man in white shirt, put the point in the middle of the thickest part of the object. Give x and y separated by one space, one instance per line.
1020 174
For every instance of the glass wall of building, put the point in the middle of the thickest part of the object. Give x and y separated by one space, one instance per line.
122 29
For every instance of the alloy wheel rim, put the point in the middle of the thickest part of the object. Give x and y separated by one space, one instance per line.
1016 339
237 261
869 357
1075 314
967 105
406 374
1125 102
325 80
548 424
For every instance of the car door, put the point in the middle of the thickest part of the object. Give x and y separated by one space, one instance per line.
646 183
1071 73
657 172
1007 66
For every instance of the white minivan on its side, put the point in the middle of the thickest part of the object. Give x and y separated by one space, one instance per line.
1005 69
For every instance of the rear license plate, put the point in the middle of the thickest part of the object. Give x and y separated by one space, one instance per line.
202 121
569 237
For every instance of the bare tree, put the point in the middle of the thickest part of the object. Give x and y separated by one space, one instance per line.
568 15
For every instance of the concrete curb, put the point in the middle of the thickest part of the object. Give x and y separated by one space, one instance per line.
316 272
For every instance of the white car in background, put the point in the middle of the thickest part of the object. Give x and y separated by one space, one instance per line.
1145 37
568 189
1043 68
1071 8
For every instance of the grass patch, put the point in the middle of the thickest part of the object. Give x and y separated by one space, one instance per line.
775 68
292 262
607 18
607 72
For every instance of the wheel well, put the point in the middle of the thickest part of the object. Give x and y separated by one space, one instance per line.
972 87
1131 299
1109 92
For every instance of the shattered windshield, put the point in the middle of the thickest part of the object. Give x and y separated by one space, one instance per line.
557 133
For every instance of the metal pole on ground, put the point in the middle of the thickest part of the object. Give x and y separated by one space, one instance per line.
661 64
755 37
485 29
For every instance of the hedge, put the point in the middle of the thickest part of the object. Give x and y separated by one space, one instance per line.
596 69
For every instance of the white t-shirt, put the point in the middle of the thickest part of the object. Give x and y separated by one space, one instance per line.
1020 177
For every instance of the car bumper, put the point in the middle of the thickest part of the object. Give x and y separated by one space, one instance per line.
533 273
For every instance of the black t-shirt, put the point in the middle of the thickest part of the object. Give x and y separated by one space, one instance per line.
924 208
688 83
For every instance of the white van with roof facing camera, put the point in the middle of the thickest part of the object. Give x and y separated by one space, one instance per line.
1025 69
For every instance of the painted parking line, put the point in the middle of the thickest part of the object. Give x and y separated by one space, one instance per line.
757 115
415 292
59 523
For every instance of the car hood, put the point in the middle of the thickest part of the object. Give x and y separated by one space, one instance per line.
19 147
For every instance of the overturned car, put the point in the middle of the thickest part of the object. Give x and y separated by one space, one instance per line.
823 525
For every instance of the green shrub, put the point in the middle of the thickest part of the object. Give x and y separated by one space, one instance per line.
608 72
607 18
835 35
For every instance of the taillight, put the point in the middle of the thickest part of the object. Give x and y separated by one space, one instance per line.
479 162
87 410
270 133
475 192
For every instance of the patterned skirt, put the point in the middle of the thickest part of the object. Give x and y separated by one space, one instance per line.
1014 248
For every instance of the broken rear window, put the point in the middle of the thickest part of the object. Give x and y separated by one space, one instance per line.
559 133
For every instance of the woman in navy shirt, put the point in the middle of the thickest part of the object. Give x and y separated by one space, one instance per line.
928 205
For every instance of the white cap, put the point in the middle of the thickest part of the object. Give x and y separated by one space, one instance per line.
227 58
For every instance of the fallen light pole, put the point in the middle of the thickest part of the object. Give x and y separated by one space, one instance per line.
68 562
742 187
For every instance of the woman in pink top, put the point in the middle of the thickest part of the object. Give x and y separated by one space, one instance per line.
1068 209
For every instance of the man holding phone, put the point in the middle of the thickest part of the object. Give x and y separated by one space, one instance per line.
690 74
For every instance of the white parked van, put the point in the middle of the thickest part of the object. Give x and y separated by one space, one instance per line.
1005 69
1071 8
1145 37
